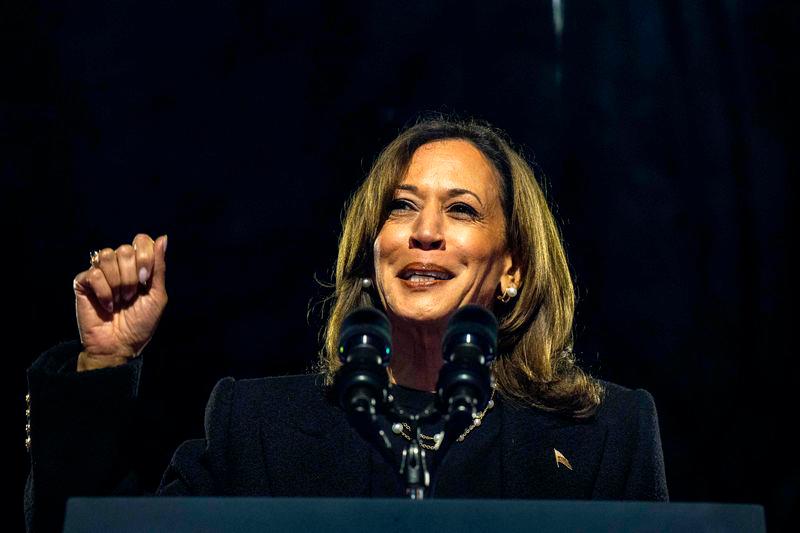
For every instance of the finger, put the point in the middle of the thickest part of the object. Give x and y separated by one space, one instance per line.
160 264
92 283
143 245
129 278
107 262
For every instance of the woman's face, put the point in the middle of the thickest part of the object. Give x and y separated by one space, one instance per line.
443 244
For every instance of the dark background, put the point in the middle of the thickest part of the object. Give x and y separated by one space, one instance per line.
239 128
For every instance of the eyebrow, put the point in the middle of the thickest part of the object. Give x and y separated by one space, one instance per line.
451 193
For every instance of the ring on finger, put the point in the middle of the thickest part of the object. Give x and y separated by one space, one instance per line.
94 258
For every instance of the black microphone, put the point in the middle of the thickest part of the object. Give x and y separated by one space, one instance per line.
468 346
365 349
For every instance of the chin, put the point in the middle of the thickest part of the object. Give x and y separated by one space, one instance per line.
429 311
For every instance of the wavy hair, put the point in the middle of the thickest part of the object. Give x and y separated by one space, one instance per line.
536 365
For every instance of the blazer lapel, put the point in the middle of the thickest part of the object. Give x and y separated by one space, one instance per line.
310 450
549 457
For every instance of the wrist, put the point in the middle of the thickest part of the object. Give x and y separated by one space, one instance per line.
87 361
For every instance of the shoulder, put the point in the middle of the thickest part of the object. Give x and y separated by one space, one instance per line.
291 388
267 389
631 422
279 399
624 417
621 405
618 406
632 444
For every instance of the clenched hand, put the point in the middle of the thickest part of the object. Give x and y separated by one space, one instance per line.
119 301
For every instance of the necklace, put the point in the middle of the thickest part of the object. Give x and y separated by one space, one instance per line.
401 428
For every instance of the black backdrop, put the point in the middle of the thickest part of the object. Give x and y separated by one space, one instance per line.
239 128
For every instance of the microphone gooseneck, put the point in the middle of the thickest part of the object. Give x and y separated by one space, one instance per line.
468 346
365 349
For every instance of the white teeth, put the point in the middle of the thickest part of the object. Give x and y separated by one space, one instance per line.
425 275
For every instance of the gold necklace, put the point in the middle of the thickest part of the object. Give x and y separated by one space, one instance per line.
400 428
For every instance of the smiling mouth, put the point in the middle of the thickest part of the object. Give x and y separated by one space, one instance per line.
420 274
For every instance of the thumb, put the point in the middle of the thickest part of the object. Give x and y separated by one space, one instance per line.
159 264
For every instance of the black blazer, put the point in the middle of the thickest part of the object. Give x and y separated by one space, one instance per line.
280 436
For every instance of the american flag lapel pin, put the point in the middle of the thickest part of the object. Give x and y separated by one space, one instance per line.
561 460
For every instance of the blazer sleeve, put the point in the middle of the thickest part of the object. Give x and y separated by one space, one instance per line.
199 466
646 478
633 461
80 434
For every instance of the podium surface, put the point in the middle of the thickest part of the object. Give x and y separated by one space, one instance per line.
356 515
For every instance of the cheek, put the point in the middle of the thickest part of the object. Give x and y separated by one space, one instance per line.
477 250
387 243
383 249
385 252
484 259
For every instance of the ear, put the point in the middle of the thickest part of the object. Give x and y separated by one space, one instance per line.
511 272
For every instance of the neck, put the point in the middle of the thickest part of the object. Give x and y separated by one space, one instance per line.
417 356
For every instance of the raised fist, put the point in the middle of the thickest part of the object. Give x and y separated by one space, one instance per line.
119 301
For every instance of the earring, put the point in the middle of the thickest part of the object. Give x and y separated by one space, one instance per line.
366 283
509 293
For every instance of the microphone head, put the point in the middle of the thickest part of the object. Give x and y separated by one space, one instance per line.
366 326
471 324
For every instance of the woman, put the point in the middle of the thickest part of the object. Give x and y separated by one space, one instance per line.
449 215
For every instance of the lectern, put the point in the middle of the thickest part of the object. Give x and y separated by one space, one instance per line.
345 515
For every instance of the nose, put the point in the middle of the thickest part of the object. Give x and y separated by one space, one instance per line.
427 232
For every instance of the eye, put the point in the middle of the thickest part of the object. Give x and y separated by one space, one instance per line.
463 210
400 205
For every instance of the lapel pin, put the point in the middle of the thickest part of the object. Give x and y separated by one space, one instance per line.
561 460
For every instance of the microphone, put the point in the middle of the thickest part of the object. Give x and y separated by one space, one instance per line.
468 346
365 349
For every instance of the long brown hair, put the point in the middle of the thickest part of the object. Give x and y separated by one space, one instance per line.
536 364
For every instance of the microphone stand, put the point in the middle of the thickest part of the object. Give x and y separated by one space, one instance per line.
417 475
413 467
363 392
464 381
463 387
414 470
